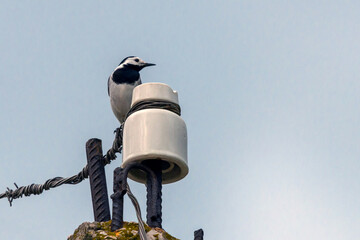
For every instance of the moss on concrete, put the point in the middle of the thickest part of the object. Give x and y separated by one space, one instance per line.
102 231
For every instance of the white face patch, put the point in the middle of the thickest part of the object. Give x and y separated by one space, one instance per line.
133 61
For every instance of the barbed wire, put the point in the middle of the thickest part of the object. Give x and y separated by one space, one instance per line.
37 189
110 155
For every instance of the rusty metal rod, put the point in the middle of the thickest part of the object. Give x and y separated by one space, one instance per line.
97 180
153 185
154 194
199 234
118 200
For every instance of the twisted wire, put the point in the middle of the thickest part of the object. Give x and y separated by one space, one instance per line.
150 104
142 232
110 155
116 146
37 189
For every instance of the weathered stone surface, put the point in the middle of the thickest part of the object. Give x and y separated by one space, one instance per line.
102 231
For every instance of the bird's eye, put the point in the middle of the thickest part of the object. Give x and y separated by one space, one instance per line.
136 60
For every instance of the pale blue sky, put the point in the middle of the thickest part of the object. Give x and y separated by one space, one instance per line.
269 91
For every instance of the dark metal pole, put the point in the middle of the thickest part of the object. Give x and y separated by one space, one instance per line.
153 187
199 234
97 180
118 200
154 200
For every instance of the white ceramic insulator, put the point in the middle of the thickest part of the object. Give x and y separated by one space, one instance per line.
156 134
154 91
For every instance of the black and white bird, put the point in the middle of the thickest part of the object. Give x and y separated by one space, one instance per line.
121 83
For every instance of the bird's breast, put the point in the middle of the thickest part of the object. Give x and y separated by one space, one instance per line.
120 98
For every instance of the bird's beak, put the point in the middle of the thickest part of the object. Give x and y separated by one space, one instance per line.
148 64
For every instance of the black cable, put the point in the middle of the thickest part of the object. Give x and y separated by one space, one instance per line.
150 104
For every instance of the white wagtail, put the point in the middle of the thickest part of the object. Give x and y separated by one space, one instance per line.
121 83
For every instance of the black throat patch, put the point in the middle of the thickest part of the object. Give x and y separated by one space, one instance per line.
126 75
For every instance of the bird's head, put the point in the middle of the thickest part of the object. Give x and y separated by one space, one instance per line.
134 63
